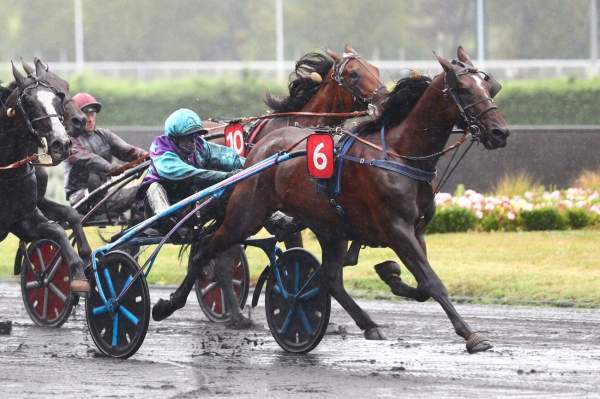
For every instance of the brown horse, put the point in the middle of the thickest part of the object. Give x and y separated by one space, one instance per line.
382 208
323 83
320 83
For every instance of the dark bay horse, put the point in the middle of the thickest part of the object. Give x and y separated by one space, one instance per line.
382 207
31 117
322 83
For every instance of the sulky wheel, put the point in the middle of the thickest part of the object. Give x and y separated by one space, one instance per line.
45 284
297 301
120 328
209 294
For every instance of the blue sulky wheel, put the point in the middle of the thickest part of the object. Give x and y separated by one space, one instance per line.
119 329
208 291
45 284
297 301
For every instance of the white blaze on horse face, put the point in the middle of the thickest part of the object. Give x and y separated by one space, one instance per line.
46 97
479 81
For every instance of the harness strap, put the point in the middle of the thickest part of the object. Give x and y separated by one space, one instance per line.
22 162
405 170
255 132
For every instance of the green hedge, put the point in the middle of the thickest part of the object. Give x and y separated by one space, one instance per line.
551 101
129 102
456 219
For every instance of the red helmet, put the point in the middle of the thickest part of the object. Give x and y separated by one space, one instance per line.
86 102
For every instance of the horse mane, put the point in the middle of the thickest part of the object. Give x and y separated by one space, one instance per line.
301 87
397 104
6 90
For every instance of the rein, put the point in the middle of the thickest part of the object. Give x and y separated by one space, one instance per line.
438 154
353 114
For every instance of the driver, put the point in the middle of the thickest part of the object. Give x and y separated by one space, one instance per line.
184 163
91 161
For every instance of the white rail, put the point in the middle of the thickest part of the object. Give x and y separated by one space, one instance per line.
511 69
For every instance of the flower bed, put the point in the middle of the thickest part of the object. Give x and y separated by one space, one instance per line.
573 208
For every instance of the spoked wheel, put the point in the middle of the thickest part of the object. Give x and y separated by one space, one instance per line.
209 293
297 301
119 328
45 284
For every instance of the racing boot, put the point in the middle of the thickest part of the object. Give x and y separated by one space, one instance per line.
165 308
79 282
223 275
282 226
351 257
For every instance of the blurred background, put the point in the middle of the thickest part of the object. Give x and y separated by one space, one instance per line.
143 59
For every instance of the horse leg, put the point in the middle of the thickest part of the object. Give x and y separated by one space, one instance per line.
409 250
351 257
334 252
223 275
389 271
294 240
59 212
236 226
36 227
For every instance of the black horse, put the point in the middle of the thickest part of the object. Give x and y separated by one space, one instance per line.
31 118
74 121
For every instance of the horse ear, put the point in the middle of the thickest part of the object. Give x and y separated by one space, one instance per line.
42 63
451 78
336 57
349 49
27 67
463 56
40 69
19 78
444 63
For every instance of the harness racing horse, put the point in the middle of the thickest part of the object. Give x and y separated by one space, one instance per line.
383 205
75 120
31 117
321 84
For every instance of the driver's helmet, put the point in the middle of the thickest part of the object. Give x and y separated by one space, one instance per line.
182 123
86 102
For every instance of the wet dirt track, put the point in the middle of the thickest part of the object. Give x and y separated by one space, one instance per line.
545 352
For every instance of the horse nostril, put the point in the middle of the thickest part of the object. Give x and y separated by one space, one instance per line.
78 122
500 132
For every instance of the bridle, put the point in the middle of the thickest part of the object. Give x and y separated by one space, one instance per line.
470 120
337 75
41 141
28 120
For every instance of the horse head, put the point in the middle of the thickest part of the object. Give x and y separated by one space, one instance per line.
38 107
74 118
472 91
359 78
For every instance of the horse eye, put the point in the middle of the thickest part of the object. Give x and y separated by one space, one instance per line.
354 74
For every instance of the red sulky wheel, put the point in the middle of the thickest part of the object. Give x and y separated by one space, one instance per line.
209 294
45 284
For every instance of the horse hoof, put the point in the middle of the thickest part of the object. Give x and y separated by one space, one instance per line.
374 333
478 343
239 323
162 309
387 270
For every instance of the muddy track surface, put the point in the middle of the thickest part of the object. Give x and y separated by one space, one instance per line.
539 352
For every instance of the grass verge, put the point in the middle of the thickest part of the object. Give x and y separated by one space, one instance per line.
551 267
